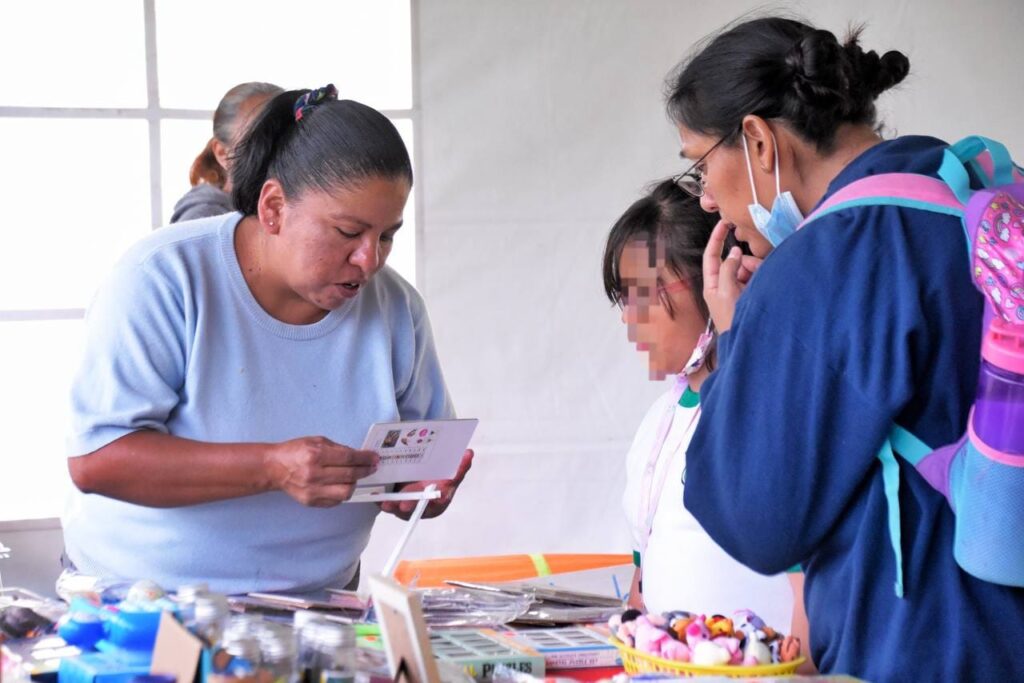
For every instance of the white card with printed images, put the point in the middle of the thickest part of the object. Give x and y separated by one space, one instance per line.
421 450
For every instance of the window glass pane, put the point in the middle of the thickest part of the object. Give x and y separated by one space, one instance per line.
80 192
205 48
37 361
73 54
182 141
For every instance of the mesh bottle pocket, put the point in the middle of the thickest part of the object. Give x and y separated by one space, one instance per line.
987 492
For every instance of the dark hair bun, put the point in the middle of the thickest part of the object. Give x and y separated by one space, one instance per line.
876 74
816 69
780 68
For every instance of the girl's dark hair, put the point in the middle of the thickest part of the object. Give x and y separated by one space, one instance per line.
206 168
672 224
781 68
338 143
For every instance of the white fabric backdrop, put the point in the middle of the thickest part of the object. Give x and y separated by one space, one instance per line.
541 121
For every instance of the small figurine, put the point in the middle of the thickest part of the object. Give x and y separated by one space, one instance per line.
743 617
675 650
756 653
732 646
707 653
790 649
696 632
719 625
649 637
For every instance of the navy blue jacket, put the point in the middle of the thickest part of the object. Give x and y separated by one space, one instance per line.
865 318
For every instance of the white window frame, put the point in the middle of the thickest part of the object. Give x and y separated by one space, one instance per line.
154 114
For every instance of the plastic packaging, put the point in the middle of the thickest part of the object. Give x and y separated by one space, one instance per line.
456 607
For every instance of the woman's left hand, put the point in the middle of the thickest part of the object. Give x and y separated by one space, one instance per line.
404 508
725 279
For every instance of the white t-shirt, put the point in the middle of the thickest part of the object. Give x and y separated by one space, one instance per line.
683 569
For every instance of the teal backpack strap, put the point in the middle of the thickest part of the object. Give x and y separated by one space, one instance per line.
891 485
912 191
913 450
910 448
996 170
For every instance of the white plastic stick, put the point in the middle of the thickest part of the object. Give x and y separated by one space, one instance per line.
390 497
396 554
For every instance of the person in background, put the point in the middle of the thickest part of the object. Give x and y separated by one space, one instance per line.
652 271
865 318
210 177
231 363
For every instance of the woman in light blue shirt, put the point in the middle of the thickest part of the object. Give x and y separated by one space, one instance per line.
231 363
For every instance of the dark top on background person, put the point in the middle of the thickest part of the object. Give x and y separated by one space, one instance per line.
209 175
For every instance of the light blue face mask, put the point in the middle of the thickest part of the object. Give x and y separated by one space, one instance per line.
782 221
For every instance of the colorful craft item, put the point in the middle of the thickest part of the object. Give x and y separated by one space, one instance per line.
716 640
719 625
707 653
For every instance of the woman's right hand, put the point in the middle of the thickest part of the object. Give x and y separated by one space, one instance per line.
725 279
317 472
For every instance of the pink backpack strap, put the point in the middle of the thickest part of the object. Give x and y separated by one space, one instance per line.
985 164
910 190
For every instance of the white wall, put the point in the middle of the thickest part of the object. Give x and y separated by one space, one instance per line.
541 121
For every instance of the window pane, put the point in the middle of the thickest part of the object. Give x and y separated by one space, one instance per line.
37 361
205 48
182 141
80 197
73 54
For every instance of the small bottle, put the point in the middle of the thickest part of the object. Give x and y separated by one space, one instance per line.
307 656
210 613
325 650
337 647
987 476
998 419
237 657
186 601
277 652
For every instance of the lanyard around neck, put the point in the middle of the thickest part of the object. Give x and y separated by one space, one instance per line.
650 492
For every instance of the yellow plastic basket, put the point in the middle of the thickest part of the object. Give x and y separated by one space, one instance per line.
636 662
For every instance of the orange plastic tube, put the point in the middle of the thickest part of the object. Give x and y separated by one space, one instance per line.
493 568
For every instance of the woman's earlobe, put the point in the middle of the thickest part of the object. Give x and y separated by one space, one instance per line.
272 221
270 206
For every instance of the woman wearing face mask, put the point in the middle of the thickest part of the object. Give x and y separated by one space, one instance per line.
652 270
231 364
865 318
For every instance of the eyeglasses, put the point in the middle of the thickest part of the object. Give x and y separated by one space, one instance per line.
641 296
691 181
